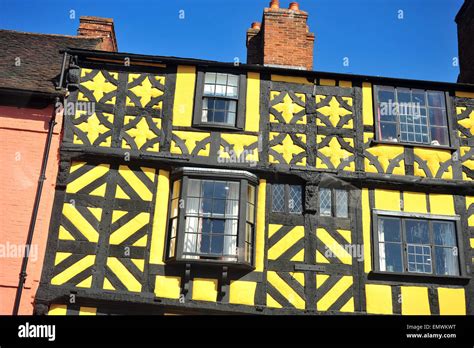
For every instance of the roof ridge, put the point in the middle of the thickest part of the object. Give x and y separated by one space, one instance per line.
55 35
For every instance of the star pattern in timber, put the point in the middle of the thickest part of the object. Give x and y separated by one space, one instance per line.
141 133
146 91
100 86
93 127
335 152
334 111
288 108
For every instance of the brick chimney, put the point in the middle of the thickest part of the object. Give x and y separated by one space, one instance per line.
282 39
99 27
465 21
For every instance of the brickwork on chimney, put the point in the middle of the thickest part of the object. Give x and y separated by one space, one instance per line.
283 39
99 27
465 21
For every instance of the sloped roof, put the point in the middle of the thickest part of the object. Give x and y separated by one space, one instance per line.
32 62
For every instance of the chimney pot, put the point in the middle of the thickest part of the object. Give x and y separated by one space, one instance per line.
294 6
275 4
256 25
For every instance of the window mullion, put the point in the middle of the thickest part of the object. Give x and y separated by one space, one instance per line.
404 245
432 244
181 218
242 220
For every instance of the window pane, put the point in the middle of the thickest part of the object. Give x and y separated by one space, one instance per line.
208 90
233 80
278 198
419 258
190 242
210 78
444 233
233 192
220 90
207 188
325 202
192 224
231 227
341 203
174 207
217 244
220 190
446 261
436 99
390 255
194 188
437 117
192 206
251 194
439 136
219 207
230 245
250 212
205 243
176 188
418 97
389 230
221 79
232 208
295 199
404 95
388 131
232 91
417 231
174 226
386 95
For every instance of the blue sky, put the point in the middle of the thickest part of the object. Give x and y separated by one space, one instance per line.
369 33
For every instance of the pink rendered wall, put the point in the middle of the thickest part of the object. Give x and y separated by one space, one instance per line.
23 134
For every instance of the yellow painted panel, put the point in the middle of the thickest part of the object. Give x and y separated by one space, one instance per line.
349 306
465 94
387 200
326 82
272 303
346 84
191 139
242 292
108 285
283 288
471 242
320 258
452 301
378 299
442 204
433 158
367 106
87 178
87 311
56 309
470 219
260 228
140 263
414 202
138 186
124 275
415 300
252 117
73 270
239 142
286 242
299 277
332 295
205 289
61 256
128 229
366 228
321 279
86 283
291 79
336 249
167 286
159 220
184 96
299 257
76 218
272 229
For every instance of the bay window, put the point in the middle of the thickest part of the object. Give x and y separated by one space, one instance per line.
212 216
